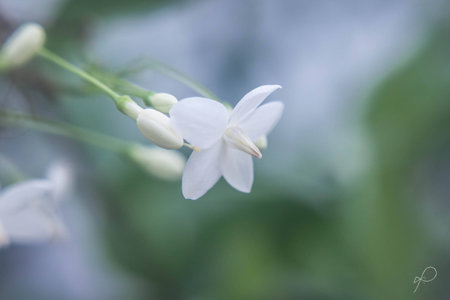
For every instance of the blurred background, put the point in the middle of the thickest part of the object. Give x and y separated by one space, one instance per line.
351 199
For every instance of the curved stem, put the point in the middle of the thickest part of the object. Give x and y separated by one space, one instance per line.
172 73
64 129
122 85
44 53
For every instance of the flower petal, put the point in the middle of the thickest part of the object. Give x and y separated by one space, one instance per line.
200 121
201 172
60 174
262 120
25 193
237 168
29 225
250 102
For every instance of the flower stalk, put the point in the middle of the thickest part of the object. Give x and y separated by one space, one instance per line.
164 164
56 59
64 129
119 84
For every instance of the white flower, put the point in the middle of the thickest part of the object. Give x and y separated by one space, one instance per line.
28 210
165 164
22 45
226 140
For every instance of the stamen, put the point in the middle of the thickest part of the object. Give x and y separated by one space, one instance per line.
194 148
237 138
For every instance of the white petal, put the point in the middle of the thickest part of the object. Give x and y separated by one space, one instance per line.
262 120
25 193
200 121
201 172
250 102
60 173
237 168
28 226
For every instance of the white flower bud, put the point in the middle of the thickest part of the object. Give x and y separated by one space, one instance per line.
155 126
261 143
129 107
22 45
165 164
162 101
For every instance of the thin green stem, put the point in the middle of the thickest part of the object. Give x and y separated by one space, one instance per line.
64 129
122 85
132 89
44 53
172 73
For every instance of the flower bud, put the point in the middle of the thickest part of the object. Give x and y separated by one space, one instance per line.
22 45
155 126
165 164
261 143
162 101
129 107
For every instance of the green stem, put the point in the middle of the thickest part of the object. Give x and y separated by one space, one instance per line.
64 129
122 85
44 53
132 89
172 73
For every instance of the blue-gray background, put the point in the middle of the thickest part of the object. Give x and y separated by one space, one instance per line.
351 199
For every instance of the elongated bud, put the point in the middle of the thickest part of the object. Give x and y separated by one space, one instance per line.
237 138
155 126
22 45
261 143
162 101
164 164
129 107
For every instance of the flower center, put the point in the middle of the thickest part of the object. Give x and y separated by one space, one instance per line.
239 140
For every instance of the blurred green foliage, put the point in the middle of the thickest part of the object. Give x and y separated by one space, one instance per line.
366 243
75 17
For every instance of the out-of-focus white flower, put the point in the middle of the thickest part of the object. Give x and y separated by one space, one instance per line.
22 45
165 164
156 127
162 101
226 141
29 210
